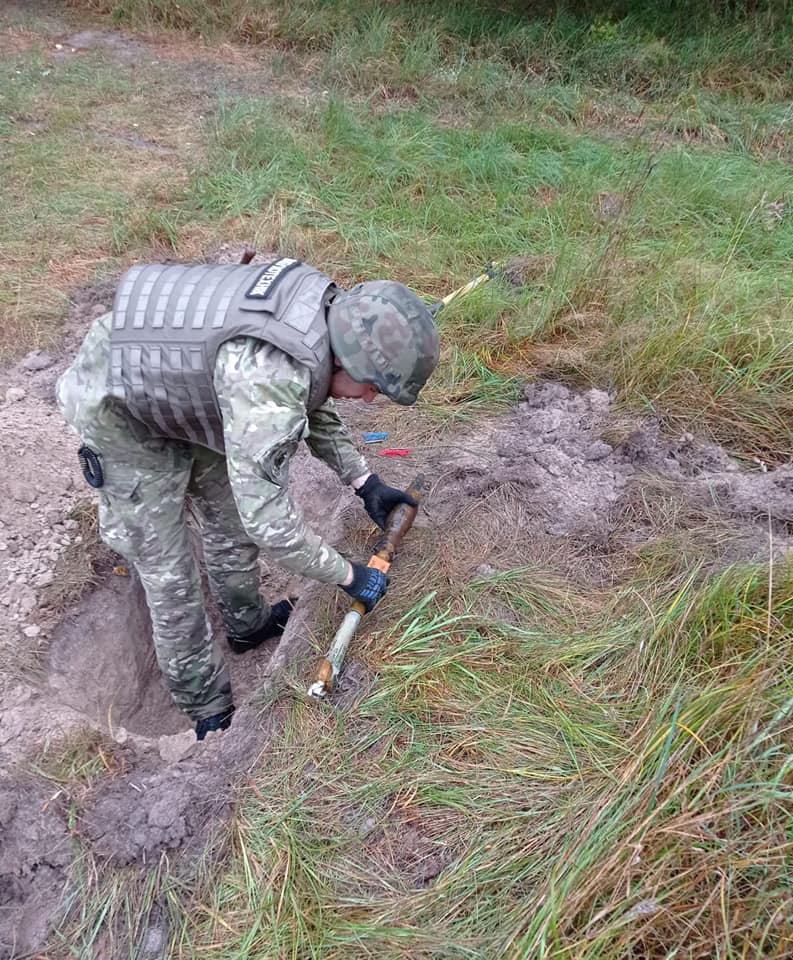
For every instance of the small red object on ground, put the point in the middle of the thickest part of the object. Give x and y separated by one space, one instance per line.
396 453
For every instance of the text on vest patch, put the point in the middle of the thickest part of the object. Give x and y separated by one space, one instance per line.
263 285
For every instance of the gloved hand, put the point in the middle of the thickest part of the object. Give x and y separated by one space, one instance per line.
380 499
368 585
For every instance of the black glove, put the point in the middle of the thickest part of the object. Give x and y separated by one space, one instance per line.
368 585
380 499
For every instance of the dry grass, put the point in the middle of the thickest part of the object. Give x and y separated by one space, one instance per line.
81 565
76 762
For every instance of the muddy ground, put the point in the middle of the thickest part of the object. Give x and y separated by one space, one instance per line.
561 481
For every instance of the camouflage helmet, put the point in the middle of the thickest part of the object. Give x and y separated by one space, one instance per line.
383 334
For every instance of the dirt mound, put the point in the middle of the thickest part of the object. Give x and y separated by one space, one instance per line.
36 851
41 486
554 453
549 455
559 481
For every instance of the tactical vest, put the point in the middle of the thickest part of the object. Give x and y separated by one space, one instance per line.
169 322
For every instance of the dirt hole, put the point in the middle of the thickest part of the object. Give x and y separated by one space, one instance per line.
102 663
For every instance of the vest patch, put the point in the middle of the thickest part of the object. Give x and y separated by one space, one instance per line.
263 285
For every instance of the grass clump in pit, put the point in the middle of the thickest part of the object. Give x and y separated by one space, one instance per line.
77 760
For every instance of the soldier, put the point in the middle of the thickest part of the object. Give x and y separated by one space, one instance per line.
198 387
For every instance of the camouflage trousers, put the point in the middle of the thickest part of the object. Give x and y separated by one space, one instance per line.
150 485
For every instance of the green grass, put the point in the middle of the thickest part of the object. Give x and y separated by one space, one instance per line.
682 297
650 48
588 785
677 296
74 199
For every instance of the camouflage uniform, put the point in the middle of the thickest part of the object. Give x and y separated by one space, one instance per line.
241 500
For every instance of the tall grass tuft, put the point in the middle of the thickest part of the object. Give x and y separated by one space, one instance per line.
621 789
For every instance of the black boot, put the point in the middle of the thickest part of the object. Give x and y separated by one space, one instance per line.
273 627
220 721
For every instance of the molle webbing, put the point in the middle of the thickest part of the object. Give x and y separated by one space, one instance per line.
169 322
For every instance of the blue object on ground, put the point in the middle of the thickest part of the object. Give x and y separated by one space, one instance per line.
374 437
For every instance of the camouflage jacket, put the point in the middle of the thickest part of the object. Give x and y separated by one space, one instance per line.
263 397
